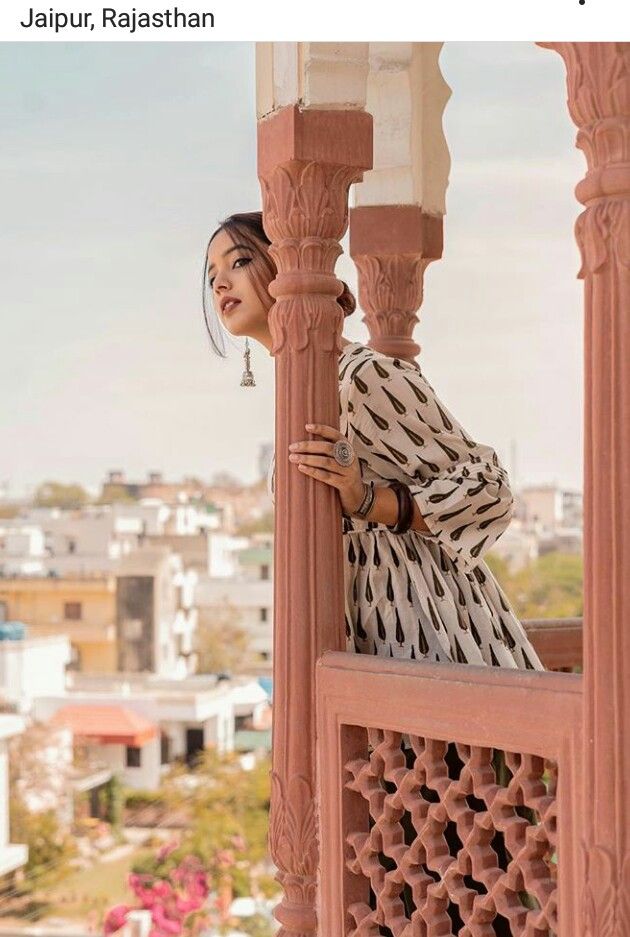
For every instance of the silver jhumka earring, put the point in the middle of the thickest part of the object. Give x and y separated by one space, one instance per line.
248 378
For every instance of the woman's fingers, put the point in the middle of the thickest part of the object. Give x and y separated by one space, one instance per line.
315 457
318 461
322 446
328 432
312 445
322 475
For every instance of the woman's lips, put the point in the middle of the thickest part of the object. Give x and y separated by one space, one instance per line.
230 306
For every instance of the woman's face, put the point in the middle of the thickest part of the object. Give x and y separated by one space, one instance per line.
236 301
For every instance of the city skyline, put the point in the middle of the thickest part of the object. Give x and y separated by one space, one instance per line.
119 161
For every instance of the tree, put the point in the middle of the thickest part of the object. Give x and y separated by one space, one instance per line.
262 525
550 587
52 494
221 644
39 782
114 802
256 926
117 494
50 848
40 766
229 815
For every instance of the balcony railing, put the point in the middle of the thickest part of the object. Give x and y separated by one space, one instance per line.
449 795
558 641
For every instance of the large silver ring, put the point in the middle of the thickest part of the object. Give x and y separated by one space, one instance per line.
343 453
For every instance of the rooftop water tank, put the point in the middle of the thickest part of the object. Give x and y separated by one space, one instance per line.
12 631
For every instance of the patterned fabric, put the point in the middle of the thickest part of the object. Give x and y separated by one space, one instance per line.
424 595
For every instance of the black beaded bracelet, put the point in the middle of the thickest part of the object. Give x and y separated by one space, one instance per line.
405 508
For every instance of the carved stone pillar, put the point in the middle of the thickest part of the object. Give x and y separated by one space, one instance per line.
307 160
392 245
598 81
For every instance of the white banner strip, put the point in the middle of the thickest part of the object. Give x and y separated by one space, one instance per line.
323 20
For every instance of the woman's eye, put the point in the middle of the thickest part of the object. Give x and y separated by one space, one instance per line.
238 261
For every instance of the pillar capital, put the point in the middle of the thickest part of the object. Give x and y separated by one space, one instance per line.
307 161
598 85
392 245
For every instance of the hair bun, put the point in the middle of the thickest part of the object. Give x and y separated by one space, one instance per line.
346 300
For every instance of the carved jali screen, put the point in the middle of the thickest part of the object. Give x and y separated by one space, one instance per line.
461 840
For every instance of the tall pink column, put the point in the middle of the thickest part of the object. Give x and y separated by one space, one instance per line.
392 245
598 80
307 160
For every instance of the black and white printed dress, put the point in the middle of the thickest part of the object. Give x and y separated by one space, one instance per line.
424 595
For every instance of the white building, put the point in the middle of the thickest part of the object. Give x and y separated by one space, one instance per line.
223 552
155 613
549 507
138 724
241 578
44 541
22 550
32 667
553 515
93 539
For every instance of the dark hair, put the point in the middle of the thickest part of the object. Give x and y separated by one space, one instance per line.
247 228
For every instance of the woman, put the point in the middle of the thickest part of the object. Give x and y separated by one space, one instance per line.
422 501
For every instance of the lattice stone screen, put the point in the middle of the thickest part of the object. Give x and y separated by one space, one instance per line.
462 840
450 800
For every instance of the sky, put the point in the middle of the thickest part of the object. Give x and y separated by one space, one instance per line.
118 160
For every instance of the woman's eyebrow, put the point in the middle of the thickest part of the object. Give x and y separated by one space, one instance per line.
236 247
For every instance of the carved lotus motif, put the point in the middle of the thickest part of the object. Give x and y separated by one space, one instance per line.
606 898
293 826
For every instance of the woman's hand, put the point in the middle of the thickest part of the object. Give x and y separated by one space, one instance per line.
315 457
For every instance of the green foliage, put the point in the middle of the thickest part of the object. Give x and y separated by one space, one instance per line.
256 926
114 802
267 885
117 494
499 567
52 494
550 587
140 798
229 816
263 525
50 848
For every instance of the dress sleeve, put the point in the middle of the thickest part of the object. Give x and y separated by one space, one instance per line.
403 431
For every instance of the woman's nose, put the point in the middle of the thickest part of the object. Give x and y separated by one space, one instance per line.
221 281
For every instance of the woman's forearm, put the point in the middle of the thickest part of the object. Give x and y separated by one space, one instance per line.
385 510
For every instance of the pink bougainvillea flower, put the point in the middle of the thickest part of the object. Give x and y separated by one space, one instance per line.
175 898
166 926
116 918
